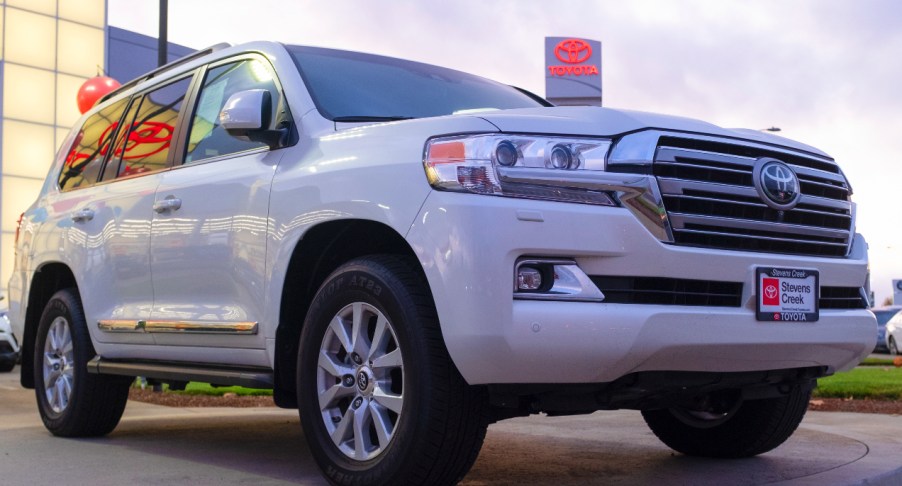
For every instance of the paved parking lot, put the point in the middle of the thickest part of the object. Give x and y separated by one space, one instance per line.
161 445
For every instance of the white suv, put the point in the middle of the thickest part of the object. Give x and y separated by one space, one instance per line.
407 253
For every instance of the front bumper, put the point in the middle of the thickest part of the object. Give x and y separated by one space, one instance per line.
468 246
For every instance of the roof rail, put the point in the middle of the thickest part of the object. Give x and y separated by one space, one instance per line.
162 69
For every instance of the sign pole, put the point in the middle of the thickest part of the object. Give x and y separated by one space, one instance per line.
162 39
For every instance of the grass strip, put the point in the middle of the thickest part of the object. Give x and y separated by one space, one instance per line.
876 362
874 382
195 388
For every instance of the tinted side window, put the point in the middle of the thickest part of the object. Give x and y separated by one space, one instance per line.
145 148
91 145
207 138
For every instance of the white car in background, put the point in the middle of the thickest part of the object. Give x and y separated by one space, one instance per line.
884 314
894 333
9 346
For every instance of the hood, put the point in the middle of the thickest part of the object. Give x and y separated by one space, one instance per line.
607 122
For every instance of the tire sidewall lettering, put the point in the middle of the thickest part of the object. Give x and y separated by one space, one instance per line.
366 283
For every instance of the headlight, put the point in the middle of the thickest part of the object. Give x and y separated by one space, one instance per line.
479 164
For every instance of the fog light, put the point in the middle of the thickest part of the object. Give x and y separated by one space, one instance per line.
529 278
558 279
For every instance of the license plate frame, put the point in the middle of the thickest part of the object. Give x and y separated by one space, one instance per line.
787 294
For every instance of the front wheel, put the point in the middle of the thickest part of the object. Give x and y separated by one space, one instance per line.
738 429
380 400
72 402
893 347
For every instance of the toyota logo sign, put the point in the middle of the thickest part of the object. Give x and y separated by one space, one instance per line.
573 71
776 183
573 51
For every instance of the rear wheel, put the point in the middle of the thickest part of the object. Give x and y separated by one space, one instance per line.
7 365
380 400
893 347
72 402
730 429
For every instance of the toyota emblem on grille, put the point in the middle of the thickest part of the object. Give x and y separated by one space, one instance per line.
776 183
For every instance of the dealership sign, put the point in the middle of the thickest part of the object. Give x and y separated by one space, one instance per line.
572 71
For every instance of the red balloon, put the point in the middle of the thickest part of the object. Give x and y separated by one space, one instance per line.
94 89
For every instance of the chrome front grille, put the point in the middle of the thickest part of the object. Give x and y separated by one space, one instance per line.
707 189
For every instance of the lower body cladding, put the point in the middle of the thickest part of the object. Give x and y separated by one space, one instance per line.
475 243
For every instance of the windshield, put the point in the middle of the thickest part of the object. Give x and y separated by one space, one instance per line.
351 86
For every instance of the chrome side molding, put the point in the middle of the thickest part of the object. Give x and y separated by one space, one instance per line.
119 325
188 327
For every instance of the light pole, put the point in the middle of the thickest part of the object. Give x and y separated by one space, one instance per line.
162 41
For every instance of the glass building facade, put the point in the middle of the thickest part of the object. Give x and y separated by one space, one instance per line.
48 49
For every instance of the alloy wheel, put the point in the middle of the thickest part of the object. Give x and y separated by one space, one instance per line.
360 381
59 365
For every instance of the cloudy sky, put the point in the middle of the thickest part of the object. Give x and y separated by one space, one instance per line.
827 72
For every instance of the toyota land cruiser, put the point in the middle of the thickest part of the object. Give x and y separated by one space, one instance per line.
406 253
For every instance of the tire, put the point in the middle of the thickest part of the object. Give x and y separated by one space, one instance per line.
752 427
893 347
72 402
7 365
403 414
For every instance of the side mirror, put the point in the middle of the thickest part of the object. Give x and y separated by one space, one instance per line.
246 115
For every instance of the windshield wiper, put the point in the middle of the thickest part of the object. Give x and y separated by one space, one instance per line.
369 118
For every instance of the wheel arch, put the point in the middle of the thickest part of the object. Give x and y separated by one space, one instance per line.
48 279
320 251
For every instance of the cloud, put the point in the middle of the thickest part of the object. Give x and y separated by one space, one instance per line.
827 72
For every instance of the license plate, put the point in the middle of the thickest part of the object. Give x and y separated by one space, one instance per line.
786 294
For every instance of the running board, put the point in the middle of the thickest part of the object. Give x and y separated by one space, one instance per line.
246 377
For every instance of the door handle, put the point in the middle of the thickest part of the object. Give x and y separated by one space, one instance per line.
170 203
83 215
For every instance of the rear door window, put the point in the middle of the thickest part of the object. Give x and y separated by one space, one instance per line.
151 127
92 144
